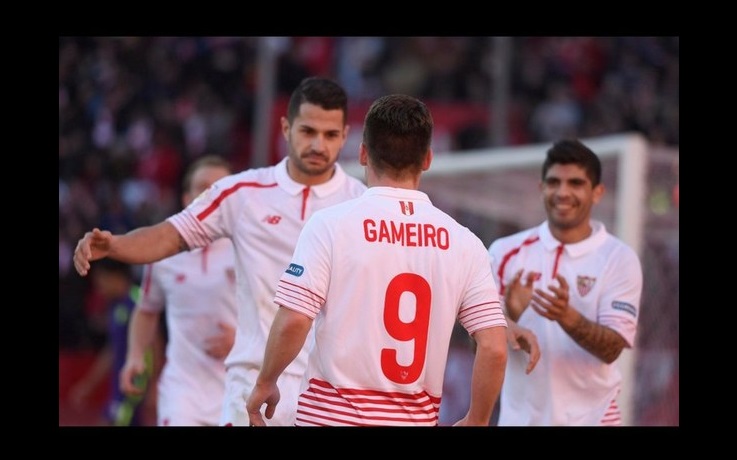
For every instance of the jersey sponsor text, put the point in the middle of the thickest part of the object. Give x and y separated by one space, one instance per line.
295 269
624 306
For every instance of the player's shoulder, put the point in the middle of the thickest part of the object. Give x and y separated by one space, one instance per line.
443 219
354 186
513 239
227 188
264 175
621 250
337 212
440 219
611 243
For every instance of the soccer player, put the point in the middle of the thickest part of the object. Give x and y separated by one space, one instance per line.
578 289
262 210
384 278
196 290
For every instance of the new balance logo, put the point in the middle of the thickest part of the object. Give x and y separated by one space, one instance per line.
273 220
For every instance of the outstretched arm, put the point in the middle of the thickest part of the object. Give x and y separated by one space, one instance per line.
139 246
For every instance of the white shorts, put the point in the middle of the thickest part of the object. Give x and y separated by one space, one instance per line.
240 380
183 408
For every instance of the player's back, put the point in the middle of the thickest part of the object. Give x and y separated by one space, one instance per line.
400 271
403 232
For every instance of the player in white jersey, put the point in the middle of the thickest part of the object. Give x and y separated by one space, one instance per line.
262 211
384 277
196 290
578 288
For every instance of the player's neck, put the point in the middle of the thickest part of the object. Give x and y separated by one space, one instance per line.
307 179
410 182
395 184
571 235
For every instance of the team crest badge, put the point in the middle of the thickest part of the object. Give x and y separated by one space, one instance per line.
408 207
230 273
584 284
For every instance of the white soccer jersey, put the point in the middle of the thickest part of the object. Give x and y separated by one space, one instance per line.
385 277
263 211
569 386
196 290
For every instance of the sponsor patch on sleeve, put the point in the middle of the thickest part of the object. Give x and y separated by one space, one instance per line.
624 306
295 269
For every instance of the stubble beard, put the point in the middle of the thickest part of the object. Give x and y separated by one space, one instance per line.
304 168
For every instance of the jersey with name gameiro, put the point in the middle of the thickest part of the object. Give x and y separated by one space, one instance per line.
196 290
385 276
569 385
263 211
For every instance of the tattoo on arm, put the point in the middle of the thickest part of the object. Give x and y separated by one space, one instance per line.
601 341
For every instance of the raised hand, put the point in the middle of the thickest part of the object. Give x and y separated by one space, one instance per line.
553 304
517 295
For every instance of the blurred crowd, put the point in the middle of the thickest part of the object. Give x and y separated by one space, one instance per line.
135 111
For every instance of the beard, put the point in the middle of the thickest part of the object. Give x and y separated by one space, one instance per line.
570 219
311 163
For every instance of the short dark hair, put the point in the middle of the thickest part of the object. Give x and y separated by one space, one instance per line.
397 132
322 92
573 151
207 160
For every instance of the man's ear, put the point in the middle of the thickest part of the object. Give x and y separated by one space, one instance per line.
427 161
284 128
599 191
363 155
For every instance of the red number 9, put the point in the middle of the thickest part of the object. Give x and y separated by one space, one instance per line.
416 330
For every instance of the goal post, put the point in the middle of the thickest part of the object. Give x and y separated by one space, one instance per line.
500 183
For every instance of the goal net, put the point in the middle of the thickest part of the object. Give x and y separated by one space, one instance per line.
494 193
